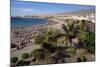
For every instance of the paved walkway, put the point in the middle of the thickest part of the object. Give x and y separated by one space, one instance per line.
28 49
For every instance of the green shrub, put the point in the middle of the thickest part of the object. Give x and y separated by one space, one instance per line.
90 42
39 39
48 47
13 45
39 54
88 39
25 56
14 59
81 59
72 50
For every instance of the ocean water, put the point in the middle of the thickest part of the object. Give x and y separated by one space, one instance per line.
17 22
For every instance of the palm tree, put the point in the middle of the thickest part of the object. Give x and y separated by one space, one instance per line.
70 32
44 37
48 47
59 55
82 25
48 33
49 53
41 55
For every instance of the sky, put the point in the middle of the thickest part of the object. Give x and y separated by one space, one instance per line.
19 8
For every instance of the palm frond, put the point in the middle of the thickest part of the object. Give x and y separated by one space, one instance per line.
65 28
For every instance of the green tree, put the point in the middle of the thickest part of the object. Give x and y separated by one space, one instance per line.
88 39
41 55
43 38
48 33
82 25
48 47
59 56
70 29
90 42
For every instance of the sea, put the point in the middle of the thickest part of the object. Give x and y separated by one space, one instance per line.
18 22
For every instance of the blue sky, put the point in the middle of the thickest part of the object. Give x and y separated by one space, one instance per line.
31 8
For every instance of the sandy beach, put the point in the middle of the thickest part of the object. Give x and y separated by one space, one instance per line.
29 30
